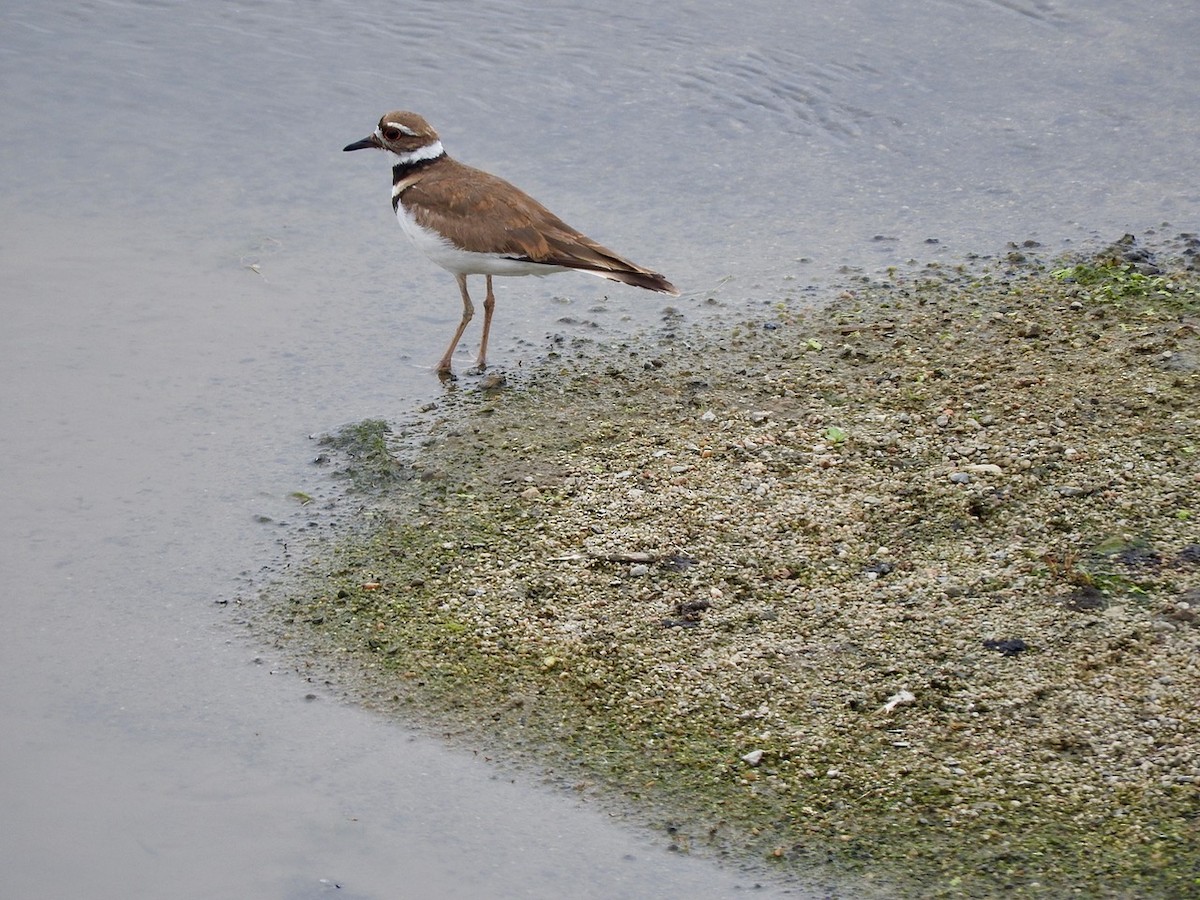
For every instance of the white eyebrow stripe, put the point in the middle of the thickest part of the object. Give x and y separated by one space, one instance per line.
399 127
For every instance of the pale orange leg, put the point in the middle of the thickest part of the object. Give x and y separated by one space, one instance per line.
444 367
489 305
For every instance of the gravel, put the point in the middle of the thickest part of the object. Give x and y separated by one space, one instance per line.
900 594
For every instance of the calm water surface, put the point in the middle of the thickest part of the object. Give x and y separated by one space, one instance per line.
194 278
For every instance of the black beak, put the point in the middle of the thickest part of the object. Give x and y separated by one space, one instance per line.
369 141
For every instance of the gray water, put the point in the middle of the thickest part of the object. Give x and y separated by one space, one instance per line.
194 279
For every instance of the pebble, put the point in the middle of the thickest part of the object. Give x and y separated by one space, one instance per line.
984 469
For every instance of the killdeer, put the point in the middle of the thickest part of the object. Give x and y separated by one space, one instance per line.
472 223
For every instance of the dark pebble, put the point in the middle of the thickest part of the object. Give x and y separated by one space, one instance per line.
1008 646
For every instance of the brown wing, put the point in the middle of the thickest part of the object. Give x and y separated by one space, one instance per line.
486 214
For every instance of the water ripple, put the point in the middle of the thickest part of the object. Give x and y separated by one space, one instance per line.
782 90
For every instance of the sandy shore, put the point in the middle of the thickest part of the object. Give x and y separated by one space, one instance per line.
901 593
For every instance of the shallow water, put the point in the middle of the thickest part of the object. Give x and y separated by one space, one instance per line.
195 278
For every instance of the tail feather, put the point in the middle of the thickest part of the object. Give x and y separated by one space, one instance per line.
568 248
651 281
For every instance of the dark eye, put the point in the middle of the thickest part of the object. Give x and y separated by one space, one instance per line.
391 133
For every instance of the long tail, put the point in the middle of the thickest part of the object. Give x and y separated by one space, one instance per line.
572 250
651 281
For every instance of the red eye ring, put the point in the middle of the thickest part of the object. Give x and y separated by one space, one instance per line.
391 133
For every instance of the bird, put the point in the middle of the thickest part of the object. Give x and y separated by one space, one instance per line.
471 222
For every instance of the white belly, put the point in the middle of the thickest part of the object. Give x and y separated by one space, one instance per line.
465 262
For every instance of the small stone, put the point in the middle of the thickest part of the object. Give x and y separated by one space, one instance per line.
753 758
984 469
960 477
639 571
898 698
1007 646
